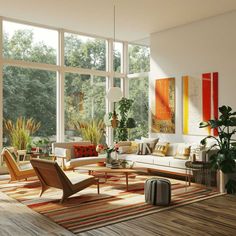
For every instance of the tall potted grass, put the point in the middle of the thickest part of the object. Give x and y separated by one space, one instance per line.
20 132
92 130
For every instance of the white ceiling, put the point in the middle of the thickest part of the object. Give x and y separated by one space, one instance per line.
135 19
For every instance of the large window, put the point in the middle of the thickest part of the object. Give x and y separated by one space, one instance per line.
117 82
138 92
85 52
32 68
28 43
139 58
30 93
84 101
117 56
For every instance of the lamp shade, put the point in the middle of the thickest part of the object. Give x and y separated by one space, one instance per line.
114 94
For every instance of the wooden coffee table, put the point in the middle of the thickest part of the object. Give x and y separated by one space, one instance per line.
105 170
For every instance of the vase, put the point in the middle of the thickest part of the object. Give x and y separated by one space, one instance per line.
108 158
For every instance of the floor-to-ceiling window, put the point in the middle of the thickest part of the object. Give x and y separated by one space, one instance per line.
84 98
84 102
58 78
29 92
138 87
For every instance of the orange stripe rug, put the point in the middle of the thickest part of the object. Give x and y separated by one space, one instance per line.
87 210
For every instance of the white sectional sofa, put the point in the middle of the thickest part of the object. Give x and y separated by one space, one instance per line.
168 163
64 152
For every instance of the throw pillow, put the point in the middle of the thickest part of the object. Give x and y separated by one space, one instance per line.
160 149
124 143
151 141
84 151
183 151
134 146
125 149
143 149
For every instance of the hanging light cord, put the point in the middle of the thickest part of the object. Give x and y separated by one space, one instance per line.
114 21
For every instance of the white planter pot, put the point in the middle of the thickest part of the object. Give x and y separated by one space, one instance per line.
222 179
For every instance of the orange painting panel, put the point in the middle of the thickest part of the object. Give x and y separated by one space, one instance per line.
163 111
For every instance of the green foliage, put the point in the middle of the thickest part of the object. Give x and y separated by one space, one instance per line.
29 92
91 130
138 58
124 106
231 186
32 92
20 132
224 159
138 92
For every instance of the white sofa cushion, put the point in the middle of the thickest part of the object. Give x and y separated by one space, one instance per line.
138 158
177 163
163 161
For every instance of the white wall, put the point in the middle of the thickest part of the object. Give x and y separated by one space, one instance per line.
204 46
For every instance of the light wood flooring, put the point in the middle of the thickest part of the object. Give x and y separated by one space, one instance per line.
215 216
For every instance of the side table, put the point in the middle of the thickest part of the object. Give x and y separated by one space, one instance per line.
200 170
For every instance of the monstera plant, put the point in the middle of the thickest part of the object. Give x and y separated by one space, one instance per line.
224 159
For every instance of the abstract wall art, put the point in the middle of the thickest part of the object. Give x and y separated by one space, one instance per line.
163 114
200 102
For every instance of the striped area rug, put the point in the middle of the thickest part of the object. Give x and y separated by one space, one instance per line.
87 210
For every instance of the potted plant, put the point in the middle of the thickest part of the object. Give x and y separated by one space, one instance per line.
20 132
93 130
224 158
125 123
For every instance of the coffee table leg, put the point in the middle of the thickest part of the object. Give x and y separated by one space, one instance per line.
105 176
127 181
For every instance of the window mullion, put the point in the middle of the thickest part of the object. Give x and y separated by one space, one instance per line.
60 88
1 83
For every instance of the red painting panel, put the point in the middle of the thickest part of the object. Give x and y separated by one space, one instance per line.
206 97
215 98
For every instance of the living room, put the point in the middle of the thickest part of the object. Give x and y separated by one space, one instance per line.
140 76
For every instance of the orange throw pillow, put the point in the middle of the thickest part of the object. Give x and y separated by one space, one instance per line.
84 151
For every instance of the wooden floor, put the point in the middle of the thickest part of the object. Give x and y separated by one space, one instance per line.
215 216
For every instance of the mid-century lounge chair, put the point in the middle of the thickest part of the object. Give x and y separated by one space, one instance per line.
17 171
51 175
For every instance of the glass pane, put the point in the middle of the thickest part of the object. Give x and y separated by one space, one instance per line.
138 91
85 52
84 101
117 82
117 55
30 93
28 43
139 58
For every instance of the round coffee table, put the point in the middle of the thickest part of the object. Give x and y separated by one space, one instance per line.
105 170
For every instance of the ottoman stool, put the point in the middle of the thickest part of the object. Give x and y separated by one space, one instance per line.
157 191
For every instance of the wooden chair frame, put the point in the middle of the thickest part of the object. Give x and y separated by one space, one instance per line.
51 175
